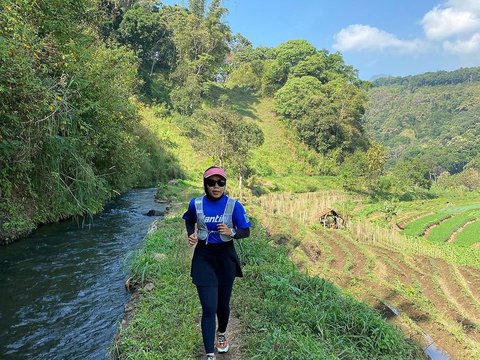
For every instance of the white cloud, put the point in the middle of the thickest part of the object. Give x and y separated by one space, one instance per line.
468 46
469 5
442 23
360 37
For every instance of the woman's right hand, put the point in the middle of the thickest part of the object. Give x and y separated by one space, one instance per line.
192 239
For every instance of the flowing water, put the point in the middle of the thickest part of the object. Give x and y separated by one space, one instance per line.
62 288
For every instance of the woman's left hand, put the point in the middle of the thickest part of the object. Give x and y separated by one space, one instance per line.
224 229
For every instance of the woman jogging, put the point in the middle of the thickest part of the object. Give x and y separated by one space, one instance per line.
219 219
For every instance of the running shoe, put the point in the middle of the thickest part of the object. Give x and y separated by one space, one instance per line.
211 357
222 343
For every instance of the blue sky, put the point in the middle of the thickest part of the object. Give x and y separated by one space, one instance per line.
377 37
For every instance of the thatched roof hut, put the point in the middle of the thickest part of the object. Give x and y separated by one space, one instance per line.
331 219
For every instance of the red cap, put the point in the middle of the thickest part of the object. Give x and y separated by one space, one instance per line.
215 171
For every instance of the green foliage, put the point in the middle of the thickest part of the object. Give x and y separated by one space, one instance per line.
281 154
291 184
226 138
201 43
354 172
70 135
164 319
248 53
463 75
245 76
419 226
187 97
467 180
413 173
444 231
313 65
201 40
293 98
143 30
274 77
437 119
290 53
325 116
318 95
365 173
469 235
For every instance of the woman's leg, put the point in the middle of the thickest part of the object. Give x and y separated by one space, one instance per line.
208 298
223 306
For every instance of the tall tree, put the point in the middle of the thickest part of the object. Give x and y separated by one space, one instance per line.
201 44
143 30
227 138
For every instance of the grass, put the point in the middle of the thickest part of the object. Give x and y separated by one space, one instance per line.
469 235
281 153
287 312
164 320
444 231
294 184
419 226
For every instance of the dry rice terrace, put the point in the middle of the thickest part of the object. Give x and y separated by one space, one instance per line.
434 294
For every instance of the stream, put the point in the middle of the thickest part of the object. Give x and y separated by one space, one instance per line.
63 291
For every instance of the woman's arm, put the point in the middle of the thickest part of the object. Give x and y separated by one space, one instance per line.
190 226
242 233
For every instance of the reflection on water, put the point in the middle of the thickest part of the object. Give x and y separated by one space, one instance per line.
63 287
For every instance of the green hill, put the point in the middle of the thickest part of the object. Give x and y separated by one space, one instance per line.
434 115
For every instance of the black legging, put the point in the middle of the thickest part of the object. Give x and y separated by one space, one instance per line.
214 300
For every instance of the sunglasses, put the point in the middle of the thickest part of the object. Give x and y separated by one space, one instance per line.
220 182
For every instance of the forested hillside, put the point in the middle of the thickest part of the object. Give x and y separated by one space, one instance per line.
434 116
73 76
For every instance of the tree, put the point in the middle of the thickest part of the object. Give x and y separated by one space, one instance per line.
66 140
412 174
227 138
290 53
313 65
325 116
245 76
201 44
197 7
239 43
274 77
143 30
292 99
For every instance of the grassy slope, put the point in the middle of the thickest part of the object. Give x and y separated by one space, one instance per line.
282 162
282 310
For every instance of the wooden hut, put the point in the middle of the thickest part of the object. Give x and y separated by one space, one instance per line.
331 219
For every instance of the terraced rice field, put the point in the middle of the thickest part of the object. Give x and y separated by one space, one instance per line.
457 223
469 234
434 294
